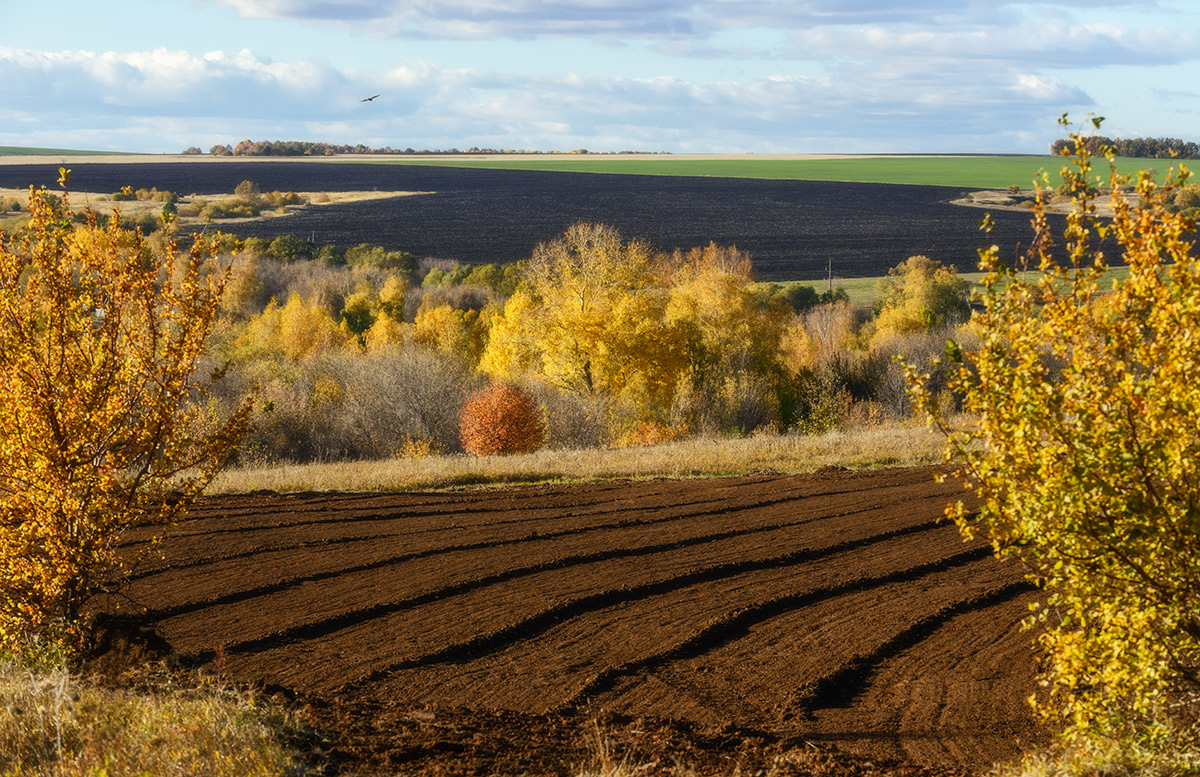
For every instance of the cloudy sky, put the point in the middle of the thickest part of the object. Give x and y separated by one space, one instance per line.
765 76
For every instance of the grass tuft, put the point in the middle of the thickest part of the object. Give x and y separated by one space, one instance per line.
1100 756
54 724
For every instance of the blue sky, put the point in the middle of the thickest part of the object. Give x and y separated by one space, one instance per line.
693 76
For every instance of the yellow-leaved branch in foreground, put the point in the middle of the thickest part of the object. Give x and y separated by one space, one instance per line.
1084 446
103 423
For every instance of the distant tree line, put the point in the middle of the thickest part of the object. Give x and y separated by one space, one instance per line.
1141 148
308 148
295 148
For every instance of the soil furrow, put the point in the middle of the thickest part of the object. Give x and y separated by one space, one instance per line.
631 497
836 606
841 686
567 609
281 584
537 623
729 624
441 529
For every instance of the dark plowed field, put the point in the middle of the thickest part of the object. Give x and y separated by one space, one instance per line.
792 229
833 609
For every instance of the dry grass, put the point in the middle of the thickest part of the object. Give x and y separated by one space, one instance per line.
885 446
1099 756
53 724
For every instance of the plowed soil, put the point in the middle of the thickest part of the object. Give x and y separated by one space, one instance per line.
793 230
464 632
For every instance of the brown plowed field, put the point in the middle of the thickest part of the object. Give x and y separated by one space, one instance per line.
833 609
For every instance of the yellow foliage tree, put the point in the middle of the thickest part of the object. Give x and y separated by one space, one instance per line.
385 334
391 297
591 321
298 330
512 348
919 295
728 329
102 427
448 330
306 329
1084 449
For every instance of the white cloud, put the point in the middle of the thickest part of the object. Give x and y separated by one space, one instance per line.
167 100
484 18
666 19
1038 42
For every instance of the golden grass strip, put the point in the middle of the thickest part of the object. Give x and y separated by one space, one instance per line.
884 446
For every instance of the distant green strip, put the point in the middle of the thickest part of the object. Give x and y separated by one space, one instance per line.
978 172
26 151
863 292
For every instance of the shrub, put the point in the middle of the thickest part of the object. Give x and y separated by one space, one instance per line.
1083 449
398 394
282 199
99 427
1187 197
501 419
289 248
368 255
247 190
230 209
572 420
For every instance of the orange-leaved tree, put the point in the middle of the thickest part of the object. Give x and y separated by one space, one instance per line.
1081 438
103 423
501 419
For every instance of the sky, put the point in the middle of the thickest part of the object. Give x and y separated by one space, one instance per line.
685 76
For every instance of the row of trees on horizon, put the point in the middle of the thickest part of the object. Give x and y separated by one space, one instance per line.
310 148
1138 148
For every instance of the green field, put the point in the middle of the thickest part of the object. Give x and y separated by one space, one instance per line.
26 151
863 292
979 172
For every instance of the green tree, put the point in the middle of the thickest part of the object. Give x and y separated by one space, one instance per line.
289 248
1084 451
368 255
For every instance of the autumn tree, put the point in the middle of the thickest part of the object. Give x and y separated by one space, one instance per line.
447 330
728 326
103 421
501 419
590 319
732 340
298 330
1084 400
919 295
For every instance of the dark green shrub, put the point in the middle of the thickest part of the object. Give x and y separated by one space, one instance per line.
289 248
330 256
368 255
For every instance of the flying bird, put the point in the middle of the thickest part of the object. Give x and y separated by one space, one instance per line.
369 99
